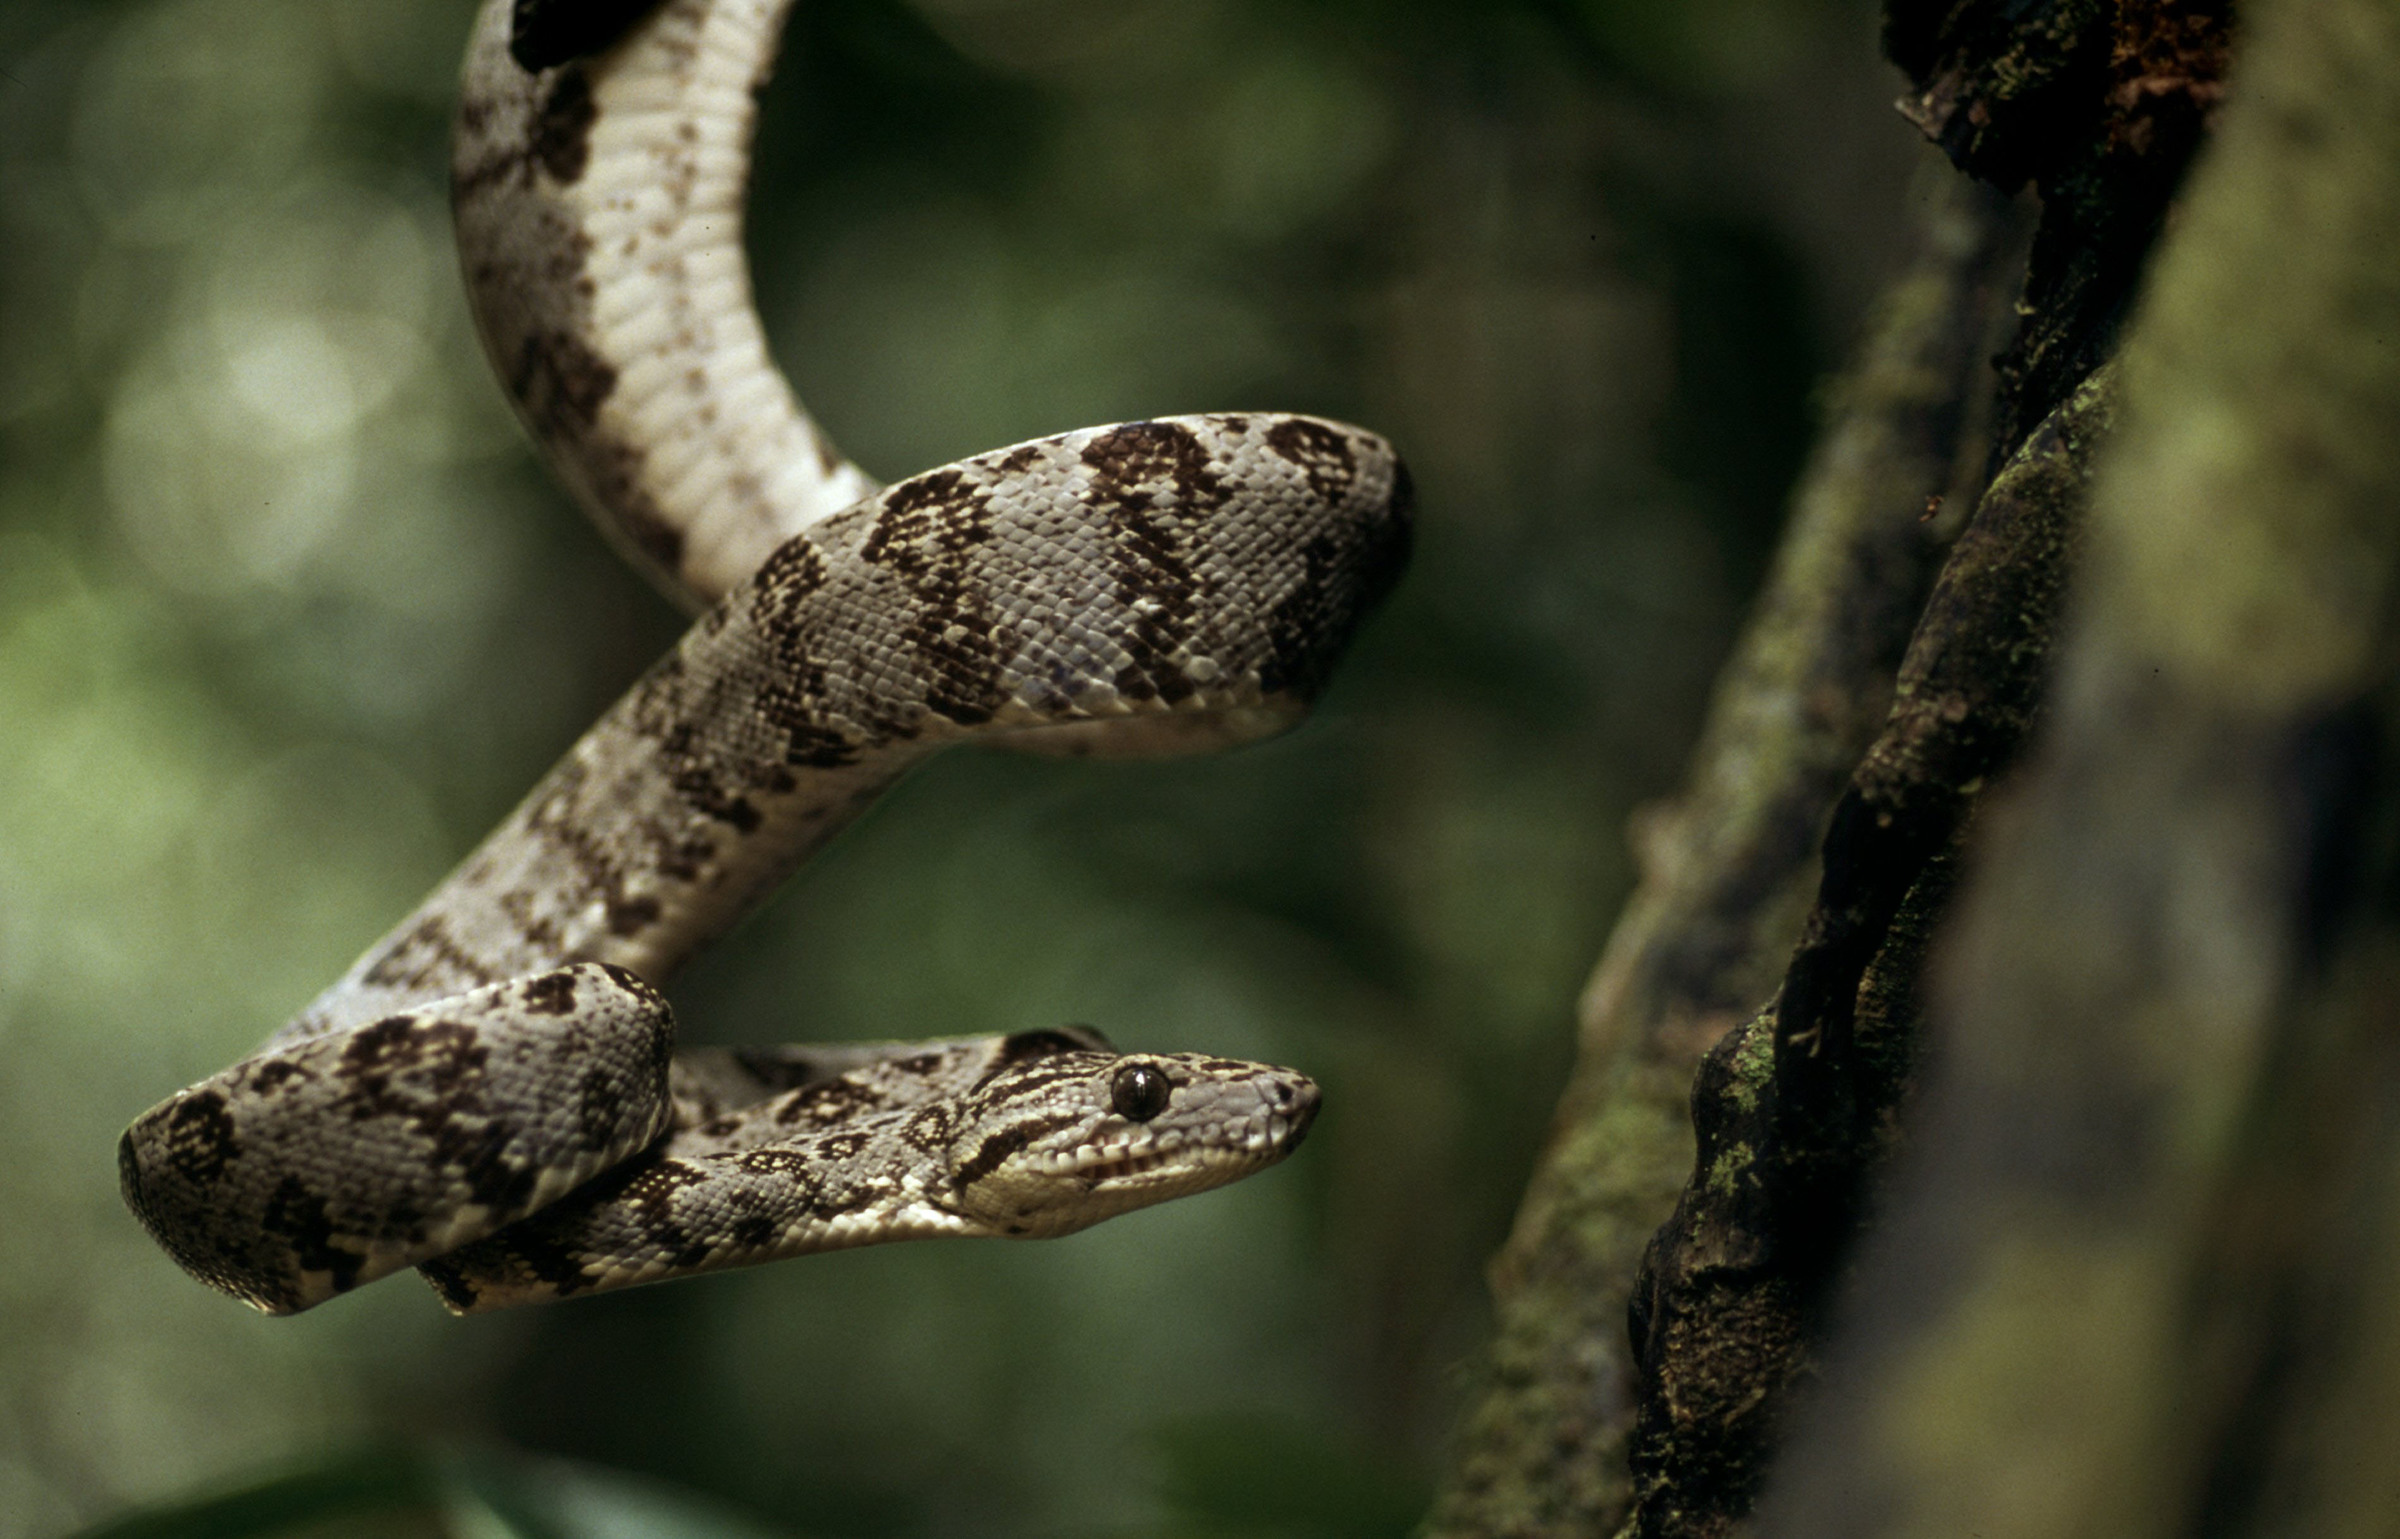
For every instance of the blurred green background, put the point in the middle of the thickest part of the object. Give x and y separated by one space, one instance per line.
289 616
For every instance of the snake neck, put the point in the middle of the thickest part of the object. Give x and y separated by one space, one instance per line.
1178 583
1028 1136
599 213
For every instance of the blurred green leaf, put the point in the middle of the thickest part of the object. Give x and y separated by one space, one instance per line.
379 1484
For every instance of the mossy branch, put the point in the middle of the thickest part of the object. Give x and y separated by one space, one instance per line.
2137 1273
1726 874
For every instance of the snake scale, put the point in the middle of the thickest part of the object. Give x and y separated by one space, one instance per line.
492 1093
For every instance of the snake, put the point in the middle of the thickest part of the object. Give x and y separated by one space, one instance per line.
493 1093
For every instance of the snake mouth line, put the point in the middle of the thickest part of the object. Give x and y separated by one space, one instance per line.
1186 1159
1127 1167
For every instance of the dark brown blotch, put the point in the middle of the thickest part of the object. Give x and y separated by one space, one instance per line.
198 1137
562 126
1134 455
792 570
830 1100
380 1044
697 783
1150 544
682 1248
600 1113
272 1075
929 531
927 1129
543 33
653 1187
299 1217
912 507
527 1250
561 383
483 1153
404 1066
792 698
631 916
1347 571
842 1146
551 994
1018 1047
992 1154
1322 454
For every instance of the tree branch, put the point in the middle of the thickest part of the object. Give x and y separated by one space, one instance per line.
1726 872
1794 1110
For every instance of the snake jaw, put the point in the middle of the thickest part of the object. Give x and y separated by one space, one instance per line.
1050 1153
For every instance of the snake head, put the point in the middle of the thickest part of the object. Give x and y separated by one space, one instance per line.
1051 1145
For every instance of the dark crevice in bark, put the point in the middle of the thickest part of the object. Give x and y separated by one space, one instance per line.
2100 107
1794 1109
2134 1273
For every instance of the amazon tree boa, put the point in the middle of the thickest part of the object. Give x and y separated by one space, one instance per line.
491 1093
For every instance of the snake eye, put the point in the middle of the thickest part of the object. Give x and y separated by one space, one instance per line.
1139 1091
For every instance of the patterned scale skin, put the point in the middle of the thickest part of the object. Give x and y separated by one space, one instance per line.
1154 586
597 181
1025 1136
1178 583
300 1173
491 1091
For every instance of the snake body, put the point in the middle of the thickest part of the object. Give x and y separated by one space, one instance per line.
492 1091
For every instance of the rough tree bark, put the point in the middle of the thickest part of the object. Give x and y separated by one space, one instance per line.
1794 1110
2100 105
1796 1113
2139 1271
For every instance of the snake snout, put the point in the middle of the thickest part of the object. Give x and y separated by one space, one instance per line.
1296 1100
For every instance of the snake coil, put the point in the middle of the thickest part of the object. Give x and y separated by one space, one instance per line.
491 1093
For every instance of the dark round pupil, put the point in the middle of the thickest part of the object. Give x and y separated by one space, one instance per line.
1140 1092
